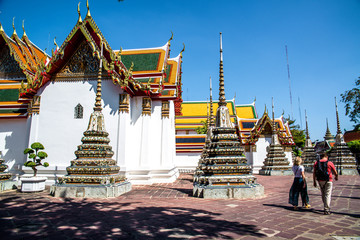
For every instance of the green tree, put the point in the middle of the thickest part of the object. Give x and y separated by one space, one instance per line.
203 129
351 98
298 136
36 156
354 146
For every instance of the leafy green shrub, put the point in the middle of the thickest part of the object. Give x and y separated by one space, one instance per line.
36 156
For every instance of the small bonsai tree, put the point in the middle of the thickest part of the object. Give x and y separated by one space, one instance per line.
36 156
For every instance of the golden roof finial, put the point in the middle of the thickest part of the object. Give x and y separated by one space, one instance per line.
88 9
23 27
171 38
14 33
183 50
1 28
57 47
79 20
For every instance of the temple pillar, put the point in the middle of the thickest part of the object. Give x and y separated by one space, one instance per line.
123 128
145 138
33 120
166 156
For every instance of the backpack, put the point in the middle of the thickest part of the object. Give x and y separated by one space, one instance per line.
321 171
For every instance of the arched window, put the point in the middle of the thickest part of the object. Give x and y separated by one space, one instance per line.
78 111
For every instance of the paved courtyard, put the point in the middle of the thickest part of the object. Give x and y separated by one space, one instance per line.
168 211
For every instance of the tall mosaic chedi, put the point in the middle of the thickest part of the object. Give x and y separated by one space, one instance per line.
223 171
340 154
93 173
275 162
309 155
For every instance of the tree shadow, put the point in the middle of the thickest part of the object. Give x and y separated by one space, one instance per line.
38 217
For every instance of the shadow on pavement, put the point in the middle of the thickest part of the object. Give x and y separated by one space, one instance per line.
29 218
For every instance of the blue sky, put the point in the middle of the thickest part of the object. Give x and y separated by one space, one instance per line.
322 39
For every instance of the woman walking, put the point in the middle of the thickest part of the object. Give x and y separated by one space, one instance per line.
299 186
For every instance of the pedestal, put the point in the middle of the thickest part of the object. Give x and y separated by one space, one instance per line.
33 184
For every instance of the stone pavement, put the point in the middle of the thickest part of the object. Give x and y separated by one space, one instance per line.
168 211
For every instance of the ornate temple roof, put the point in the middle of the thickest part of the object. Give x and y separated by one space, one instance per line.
195 112
20 62
140 72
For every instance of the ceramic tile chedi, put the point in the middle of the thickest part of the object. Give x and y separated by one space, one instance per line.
223 171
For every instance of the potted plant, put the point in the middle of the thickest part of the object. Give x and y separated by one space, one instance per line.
34 184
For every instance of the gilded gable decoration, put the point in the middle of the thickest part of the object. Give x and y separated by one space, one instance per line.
82 62
146 106
165 109
124 103
8 64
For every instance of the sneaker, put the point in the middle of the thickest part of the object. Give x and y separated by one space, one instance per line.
326 212
307 206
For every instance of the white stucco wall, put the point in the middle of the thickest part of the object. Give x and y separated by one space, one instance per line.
57 128
13 140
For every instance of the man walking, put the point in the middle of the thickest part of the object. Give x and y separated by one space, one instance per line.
323 173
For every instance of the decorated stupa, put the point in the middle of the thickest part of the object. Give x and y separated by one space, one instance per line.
275 162
340 154
5 182
223 171
93 173
308 155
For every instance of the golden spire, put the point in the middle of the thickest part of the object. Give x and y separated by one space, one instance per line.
98 89
337 119
79 20
1 28
14 33
212 120
23 27
88 9
222 100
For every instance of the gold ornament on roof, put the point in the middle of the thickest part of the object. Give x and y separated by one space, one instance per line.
78 10
23 27
88 9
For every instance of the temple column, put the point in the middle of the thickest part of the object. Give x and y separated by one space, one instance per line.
145 138
33 120
123 128
166 156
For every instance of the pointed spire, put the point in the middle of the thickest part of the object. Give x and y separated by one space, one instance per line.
328 135
307 129
273 114
78 10
13 24
337 119
212 120
222 100
23 27
98 89
1 28
207 113
88 9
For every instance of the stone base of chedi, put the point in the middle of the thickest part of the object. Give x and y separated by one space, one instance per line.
223 171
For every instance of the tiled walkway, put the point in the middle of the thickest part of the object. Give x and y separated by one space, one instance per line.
168 211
